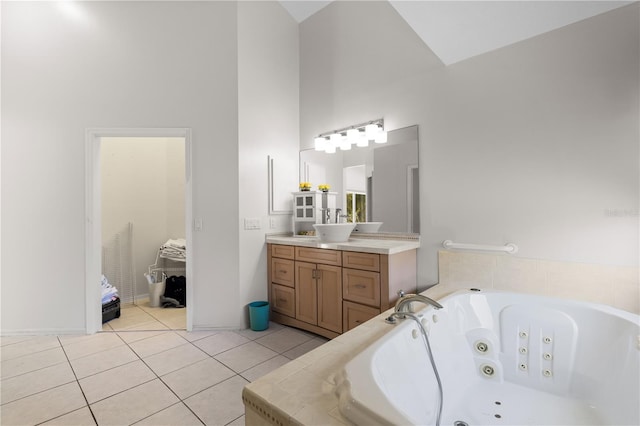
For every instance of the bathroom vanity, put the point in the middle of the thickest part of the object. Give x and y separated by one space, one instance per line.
329 289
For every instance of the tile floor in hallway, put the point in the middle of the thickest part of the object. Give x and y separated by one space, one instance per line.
130 376
141 316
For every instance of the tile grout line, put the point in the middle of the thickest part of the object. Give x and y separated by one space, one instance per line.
234 419
239 374
78 383
180 400
31 371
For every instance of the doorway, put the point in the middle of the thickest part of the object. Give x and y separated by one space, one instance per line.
140 208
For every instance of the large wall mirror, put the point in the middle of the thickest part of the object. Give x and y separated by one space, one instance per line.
378 183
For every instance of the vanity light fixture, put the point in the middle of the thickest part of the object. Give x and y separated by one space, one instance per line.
358 135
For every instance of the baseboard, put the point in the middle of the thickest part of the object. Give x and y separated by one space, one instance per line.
42 332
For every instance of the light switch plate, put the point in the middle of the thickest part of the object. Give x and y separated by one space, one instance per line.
251 223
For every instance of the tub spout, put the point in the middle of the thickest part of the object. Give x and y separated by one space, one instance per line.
403 305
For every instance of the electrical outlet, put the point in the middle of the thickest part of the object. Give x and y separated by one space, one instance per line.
272 222
197 224
251 223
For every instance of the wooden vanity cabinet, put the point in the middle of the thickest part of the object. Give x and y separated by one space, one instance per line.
333 291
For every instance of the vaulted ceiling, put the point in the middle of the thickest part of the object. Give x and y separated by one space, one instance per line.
457 30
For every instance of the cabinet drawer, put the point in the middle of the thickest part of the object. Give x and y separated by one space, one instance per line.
361 286
314 255
283 271
355 314
283 300
365 261
284 252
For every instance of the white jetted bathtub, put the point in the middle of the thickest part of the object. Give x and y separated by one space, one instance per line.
503 359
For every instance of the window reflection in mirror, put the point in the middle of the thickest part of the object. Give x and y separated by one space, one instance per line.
374 184
356 207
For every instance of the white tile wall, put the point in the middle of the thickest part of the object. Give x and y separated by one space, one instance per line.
617 286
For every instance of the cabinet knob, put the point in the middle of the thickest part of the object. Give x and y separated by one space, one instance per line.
282 271
360 286
282 300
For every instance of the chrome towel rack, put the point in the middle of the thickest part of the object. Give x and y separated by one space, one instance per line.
510 248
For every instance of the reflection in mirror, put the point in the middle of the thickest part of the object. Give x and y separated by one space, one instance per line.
378 183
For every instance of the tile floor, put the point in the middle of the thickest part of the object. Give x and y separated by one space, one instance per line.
141 316
142 372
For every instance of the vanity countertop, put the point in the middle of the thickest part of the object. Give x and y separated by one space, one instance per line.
382 244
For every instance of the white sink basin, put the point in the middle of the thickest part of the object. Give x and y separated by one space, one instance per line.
334 232
367 226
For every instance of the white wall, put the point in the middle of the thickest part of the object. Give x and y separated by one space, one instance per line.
143 182
535 143
268 109
125 64
355 179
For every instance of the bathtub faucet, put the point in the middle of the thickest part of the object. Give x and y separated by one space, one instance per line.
403 305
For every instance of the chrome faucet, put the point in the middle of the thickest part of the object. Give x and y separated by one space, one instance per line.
403 306
338 216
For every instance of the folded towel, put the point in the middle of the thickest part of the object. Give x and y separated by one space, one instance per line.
179 243
174 249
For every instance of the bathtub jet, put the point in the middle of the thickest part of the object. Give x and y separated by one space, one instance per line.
503 358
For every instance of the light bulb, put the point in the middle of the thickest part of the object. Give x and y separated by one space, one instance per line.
371 130
330 149
381 137
352 136
319 143
345 144
335 140
362 140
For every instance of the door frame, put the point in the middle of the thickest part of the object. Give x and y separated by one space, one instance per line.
93 214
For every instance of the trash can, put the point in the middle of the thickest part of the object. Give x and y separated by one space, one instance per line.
155 291
259 315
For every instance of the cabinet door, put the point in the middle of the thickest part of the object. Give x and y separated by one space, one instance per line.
330 297
305 207
283 300
282 271
306 293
